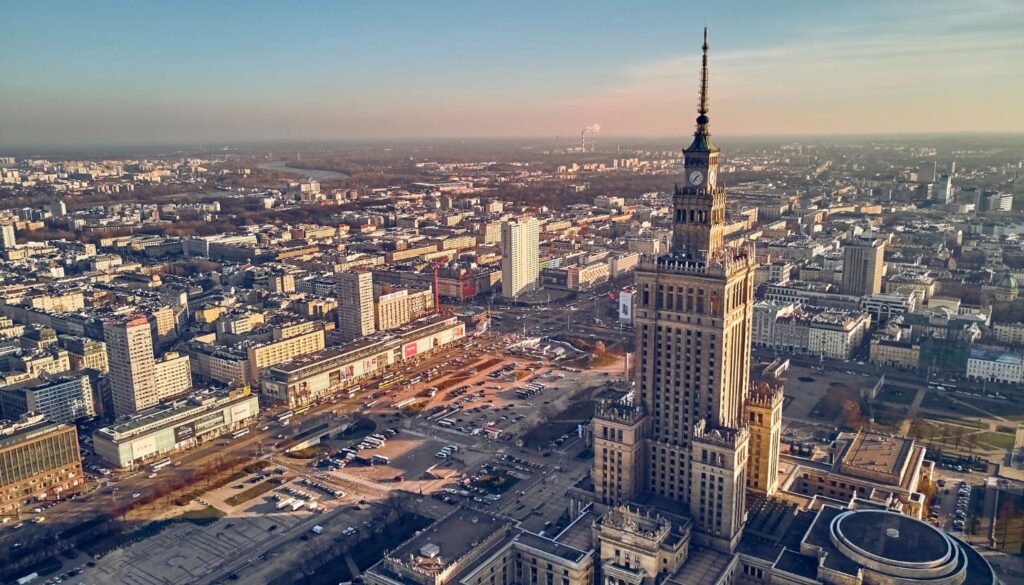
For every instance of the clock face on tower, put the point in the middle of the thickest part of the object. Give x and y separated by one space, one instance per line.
696 177
711 177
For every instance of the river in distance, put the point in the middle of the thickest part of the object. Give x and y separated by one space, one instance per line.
320 175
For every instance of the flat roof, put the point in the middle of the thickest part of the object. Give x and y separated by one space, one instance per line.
703 565
551 547
30 431
877 453
173 412
454 536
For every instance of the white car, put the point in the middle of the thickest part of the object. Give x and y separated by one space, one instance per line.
136 495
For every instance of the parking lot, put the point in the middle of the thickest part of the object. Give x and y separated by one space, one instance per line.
951 508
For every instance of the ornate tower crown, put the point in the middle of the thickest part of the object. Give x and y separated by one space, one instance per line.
699 214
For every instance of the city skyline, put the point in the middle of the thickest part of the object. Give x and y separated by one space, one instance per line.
319 71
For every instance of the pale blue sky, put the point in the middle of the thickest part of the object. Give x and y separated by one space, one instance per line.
141 72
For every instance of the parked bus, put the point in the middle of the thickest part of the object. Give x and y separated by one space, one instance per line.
353 390
160 465
381 459
284 416
302 410
375 442
240 433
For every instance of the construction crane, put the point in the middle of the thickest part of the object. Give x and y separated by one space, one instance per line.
437 284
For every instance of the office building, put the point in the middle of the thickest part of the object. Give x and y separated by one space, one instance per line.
60 400
39 460
520 257
355 304
132 365
863 265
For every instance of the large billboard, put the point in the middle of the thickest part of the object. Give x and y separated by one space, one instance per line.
410 349
240 411
184 432
626 305
394 295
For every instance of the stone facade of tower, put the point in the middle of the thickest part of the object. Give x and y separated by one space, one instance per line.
764 419
693 316
618 453
718 471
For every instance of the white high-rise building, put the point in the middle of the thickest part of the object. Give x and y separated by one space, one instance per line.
355 304
520 257
7 239
133 382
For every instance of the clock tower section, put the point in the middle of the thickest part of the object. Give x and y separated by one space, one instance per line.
698 218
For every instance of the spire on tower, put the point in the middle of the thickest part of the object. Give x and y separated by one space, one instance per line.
702 137
702 109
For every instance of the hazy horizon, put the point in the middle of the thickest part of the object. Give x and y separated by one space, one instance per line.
288 149
115 75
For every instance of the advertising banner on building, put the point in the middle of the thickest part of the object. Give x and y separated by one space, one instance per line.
240 411
369 364
184 432
625 306
410 349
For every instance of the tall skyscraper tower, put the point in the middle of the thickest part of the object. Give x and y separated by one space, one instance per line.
687 432
863 263
520 257
132 364
355 304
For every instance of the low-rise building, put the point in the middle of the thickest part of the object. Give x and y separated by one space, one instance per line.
896 351
995 365
837 334
883 307
85 353
1008 333
176 425
473 546
318 375
887 470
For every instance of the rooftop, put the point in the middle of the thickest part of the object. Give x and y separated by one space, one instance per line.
448 540
877 453
893 536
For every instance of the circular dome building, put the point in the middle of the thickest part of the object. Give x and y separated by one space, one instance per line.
897 549
1004 290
